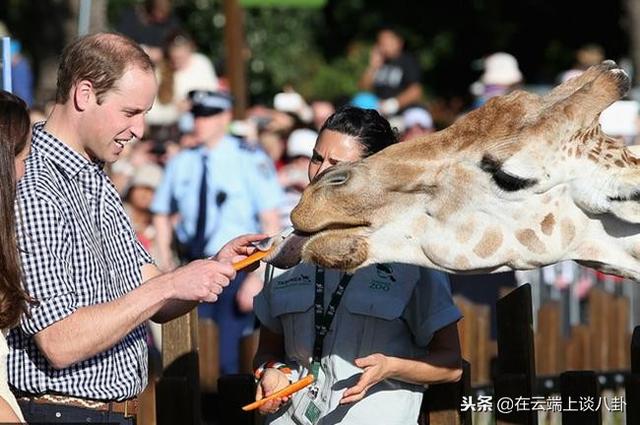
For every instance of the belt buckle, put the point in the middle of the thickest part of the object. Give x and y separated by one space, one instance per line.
126 408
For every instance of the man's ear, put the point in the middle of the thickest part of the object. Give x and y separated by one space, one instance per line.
83 94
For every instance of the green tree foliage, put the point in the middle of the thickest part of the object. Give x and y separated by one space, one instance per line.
282 50
312 49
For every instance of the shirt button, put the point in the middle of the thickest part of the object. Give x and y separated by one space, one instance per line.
58 415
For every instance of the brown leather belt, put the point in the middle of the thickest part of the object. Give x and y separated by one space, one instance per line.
128 407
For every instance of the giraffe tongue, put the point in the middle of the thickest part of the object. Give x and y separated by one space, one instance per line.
287 252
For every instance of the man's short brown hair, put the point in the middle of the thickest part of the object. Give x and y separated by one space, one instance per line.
102 59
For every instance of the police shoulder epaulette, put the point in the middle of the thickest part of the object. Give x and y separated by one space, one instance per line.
246 146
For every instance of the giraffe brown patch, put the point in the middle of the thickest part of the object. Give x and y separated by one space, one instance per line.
568 231
590 253
547 224
489 243
593 157
461 263
529 239
456 200
619 163
465 231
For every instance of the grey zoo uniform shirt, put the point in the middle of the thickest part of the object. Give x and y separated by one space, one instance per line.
393 309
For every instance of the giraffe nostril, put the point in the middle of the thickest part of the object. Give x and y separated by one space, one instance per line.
336 178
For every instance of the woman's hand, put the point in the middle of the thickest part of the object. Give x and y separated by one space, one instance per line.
272 380
376 368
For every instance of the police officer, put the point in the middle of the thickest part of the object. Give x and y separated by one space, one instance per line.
222 188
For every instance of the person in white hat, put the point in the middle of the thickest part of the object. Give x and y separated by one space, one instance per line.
417 122
501 75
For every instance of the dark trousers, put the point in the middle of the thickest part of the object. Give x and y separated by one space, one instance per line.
36 413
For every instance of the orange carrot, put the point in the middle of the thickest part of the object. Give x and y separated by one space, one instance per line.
256 256
286 391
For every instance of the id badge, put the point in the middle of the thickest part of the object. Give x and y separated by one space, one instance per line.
315 401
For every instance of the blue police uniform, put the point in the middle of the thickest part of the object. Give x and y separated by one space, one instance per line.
241 183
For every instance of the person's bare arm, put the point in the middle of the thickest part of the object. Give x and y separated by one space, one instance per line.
442 364
164 238
252 284
7 415
93 329
410 95
375 62
170 309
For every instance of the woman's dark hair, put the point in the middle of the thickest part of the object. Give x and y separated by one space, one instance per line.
14 131
370 128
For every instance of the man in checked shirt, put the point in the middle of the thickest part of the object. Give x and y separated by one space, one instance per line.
81 354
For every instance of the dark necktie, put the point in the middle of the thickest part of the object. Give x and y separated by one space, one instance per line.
199 238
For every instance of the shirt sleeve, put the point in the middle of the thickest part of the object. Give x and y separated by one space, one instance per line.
45 250
266 192
431 307
262 310
143 256
163 199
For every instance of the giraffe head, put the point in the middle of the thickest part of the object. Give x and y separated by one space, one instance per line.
521 182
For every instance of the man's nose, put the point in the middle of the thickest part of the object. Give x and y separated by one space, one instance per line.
138 126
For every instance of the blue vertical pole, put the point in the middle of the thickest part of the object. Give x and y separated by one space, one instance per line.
6 64
84 16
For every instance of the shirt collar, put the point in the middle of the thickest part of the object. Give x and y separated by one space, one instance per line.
226 143
65 158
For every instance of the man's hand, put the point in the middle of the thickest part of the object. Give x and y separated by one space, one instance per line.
201 280
238 249
377 367
272 380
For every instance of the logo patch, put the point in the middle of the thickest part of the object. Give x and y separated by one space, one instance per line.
302 279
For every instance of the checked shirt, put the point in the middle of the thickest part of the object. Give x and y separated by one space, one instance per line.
77 249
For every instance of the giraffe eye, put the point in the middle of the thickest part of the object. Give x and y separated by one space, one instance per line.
504 180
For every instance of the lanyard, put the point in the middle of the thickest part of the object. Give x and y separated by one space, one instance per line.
324 318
